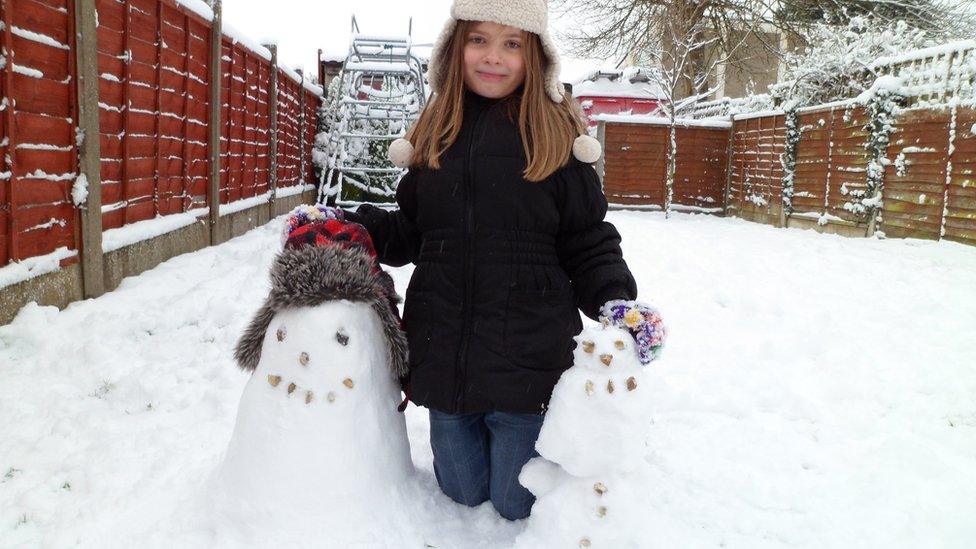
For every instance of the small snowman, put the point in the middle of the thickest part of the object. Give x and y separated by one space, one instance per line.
318 433
594 435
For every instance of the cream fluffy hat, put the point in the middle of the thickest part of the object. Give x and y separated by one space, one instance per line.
528 15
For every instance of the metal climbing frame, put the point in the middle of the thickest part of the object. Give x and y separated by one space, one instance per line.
383 92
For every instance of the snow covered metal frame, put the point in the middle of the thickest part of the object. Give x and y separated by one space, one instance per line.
311 275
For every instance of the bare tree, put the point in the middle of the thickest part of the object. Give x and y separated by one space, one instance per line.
621 29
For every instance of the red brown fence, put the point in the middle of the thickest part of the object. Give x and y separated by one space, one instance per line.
929 180
154 60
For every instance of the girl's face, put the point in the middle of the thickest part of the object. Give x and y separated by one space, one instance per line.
494 66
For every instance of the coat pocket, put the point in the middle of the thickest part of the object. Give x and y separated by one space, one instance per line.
416 320
539 329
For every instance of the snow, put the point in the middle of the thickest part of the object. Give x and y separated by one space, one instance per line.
114 239
758 114
235 35
21 271
198 7
282 192
27 71
662 121
79 191
883 83
41 174
37 37
240 205
781 414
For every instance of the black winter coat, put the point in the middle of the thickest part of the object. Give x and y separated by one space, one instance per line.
503 267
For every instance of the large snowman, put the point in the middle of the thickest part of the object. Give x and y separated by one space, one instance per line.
319 450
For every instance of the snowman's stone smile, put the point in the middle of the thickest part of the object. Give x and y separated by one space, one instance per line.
275 380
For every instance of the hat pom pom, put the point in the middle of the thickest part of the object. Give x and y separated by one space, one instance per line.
401 153
587 149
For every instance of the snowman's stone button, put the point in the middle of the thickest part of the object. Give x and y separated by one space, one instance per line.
631 384
601 511
610 386
342 338
589 387
303 359
291 388
281 333
600 488
274 380
309 396
330 397
585 542
348 383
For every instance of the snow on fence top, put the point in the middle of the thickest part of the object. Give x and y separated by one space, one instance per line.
237 36
662 121
198 7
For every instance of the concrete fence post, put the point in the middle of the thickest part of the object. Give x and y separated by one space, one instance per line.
273 131
89 151
213 123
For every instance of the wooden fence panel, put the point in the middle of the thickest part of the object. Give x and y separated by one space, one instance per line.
701 167
636 163
289 136
915 183
312 103
40 152
756 169
245 122
153 105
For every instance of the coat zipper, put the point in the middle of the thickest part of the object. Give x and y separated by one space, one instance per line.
462 357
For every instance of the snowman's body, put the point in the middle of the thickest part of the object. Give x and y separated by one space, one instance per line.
318 434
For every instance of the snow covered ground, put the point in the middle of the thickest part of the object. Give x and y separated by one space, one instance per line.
816 392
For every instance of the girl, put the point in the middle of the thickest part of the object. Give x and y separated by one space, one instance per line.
507 232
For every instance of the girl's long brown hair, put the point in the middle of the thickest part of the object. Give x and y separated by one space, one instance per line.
548 129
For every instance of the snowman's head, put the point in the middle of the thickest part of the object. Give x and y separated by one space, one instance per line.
605 348
305 279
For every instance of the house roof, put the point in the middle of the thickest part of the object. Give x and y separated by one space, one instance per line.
632 82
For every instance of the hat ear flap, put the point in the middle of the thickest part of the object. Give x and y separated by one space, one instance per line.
248 350
395 339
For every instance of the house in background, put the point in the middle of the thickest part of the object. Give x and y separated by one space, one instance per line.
617 91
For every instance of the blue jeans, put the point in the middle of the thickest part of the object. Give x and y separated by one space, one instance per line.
478 457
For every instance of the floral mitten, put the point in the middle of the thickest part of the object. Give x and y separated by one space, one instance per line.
642 321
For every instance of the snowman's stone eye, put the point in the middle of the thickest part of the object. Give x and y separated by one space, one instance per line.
281 333
342 338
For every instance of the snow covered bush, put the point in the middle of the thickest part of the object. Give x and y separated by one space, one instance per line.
837 64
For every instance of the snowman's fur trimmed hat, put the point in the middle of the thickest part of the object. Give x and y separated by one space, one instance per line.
311 275
528 15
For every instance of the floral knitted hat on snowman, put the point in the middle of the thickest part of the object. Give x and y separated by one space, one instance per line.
528 15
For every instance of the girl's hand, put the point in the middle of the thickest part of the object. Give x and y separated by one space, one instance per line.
642 321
